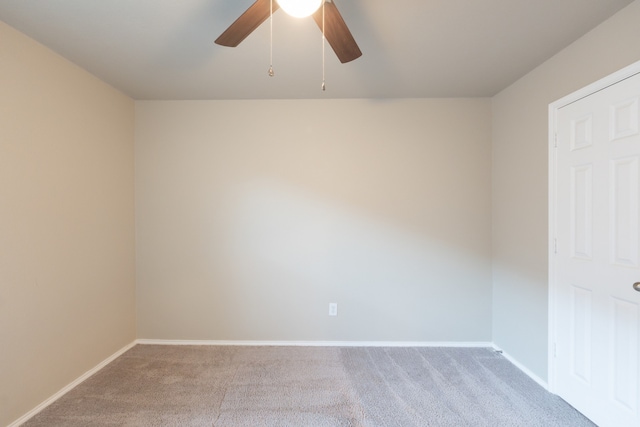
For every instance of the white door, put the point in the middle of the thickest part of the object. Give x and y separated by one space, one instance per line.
597 260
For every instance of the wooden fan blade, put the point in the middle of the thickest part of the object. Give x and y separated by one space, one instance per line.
337 33
246 23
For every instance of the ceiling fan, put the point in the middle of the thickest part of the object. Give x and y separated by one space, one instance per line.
336 31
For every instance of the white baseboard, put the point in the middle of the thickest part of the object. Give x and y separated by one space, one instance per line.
70 386
524 369
472 344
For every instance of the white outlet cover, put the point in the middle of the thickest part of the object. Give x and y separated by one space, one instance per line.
333 309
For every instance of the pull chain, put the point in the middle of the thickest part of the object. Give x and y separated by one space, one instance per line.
323 48
271 73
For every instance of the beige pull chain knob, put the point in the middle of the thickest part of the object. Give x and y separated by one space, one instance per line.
636 286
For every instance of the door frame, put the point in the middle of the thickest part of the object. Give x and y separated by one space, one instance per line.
597 86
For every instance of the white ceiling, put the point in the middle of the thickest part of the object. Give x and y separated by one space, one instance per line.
163 49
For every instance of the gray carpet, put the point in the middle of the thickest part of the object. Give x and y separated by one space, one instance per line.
308 386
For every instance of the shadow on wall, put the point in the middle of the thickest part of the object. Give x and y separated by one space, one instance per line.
286 251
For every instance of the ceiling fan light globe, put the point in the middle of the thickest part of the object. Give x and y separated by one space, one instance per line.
300 8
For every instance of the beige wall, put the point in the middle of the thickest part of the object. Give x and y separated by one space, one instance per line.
66 223
520 205
251 216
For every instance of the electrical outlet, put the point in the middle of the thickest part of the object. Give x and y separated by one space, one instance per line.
333 309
